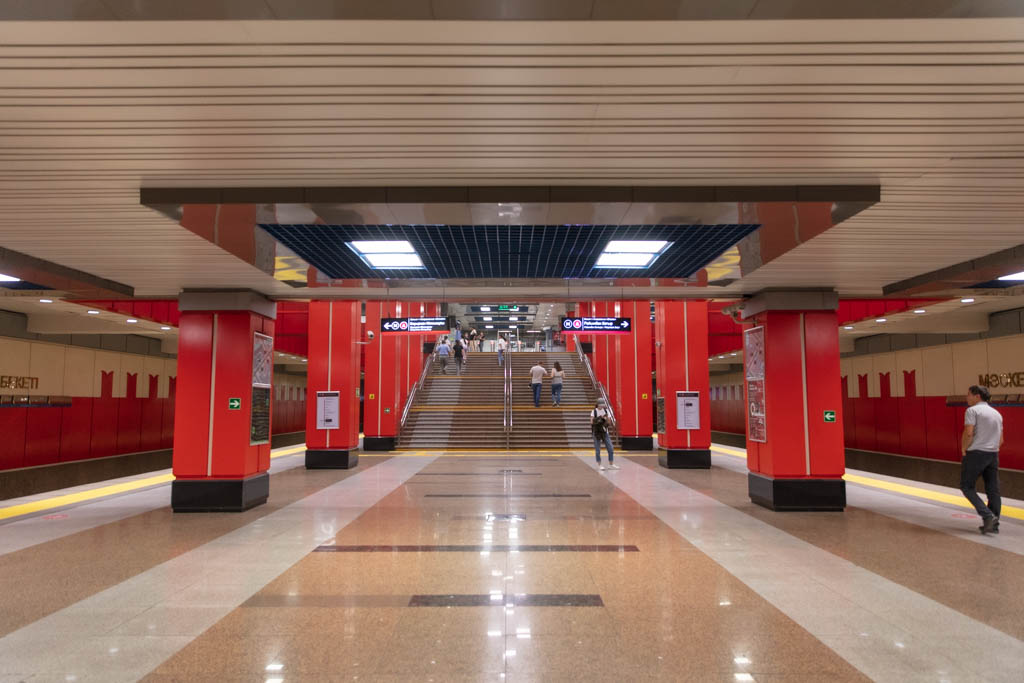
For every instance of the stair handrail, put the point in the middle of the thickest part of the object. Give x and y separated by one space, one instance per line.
593 378
507 415
427 364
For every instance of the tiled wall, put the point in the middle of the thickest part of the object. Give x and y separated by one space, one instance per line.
121 403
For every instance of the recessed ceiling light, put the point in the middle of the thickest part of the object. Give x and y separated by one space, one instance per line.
164 327
1013 276
487 317
635 246
624 260
513 317
485 308
880 320
488 327
384 247
93 312
919 310
9 278
394 260
46 301
131 321
848 327
967 301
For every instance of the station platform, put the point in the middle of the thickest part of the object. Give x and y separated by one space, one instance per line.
497 566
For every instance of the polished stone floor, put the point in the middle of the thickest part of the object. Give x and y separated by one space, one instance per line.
510 568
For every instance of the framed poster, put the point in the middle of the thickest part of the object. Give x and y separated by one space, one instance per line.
262 360
687 410
328 404
262 374
753 359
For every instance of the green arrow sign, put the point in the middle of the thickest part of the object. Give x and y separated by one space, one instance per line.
234 404
830 416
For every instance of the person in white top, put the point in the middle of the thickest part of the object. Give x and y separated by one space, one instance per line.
501 350
600 423
537 373
983 437
557 373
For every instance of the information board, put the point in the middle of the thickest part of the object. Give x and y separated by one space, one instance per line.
259 423
597 325
753 357
687 410
328 409
413 325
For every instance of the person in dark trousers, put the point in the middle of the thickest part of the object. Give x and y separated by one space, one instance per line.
537 373
557 375
460 355
600 423
501 343
983 437
443 352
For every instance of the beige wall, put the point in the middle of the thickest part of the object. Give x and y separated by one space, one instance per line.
76 371
945 370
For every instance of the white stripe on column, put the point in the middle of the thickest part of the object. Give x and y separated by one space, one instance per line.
330 348
686 356
803 381
636 376
213 396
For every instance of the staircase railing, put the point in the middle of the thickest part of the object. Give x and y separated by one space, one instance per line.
593 378
507 414
428 363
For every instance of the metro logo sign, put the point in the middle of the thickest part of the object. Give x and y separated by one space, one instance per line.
597 325
413 325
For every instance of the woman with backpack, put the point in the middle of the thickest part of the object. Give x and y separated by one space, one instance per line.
600 423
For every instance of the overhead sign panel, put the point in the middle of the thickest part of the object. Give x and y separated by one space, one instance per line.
413 325
597 325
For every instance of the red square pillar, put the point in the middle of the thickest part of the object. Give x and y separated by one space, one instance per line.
222 405
795 450
681 360
632 362
332 386
381 407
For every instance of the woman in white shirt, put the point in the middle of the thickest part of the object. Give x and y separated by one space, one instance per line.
557 373
600 423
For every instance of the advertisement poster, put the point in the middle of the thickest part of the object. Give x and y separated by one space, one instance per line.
687 410
328 409
262 373
262 360
753 350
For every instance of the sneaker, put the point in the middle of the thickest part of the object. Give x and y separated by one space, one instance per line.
614 467
988 526
602 468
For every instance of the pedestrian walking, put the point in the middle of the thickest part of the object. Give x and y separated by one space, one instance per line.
600 423
983 437
460 355
557 374
537 373
443 352
501 350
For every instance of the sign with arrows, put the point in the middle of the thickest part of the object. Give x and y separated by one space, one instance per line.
597 325
413 325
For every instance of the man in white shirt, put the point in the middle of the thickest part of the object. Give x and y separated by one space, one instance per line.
537 373
501 350
983 437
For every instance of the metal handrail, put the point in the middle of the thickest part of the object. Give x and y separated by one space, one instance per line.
507 415
593 378
418 385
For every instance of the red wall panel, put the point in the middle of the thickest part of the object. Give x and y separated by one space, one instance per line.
76 430
104 427
151 432
12 445
129 425
42 436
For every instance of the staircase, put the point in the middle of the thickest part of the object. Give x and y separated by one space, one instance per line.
467 412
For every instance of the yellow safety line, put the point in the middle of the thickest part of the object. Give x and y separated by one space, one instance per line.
905 489
103 492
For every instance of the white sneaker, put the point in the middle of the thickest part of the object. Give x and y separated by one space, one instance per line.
614 467
602 468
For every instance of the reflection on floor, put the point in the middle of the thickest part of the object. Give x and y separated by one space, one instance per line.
510 567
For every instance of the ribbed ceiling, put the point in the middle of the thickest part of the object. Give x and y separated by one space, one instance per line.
92 111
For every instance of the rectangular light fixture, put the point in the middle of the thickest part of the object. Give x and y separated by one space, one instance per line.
488 318
636 246
488 327
484 309
394 260
8 278
624 260
383 247
1013 277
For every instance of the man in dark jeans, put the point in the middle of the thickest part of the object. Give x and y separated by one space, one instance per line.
983 437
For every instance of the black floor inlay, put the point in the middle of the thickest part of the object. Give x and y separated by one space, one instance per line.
512 495
476 548
500 473
510 600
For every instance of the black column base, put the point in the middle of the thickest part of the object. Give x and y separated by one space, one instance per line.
331 459
379 443
219 495
637 443
797 494
685 458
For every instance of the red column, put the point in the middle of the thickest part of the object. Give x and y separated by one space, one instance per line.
333 377
381 409
633 371
794 401
222 406
599 358
681 359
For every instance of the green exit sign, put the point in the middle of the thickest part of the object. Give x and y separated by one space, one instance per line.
830 416
234 404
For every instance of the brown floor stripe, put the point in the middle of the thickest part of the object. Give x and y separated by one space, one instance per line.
53 575
497 600
981 581
476 548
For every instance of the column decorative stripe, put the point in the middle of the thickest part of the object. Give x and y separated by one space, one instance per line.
686 357
803 380
213 398
330 341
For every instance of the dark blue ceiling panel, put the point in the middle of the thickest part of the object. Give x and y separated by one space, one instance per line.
508 251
